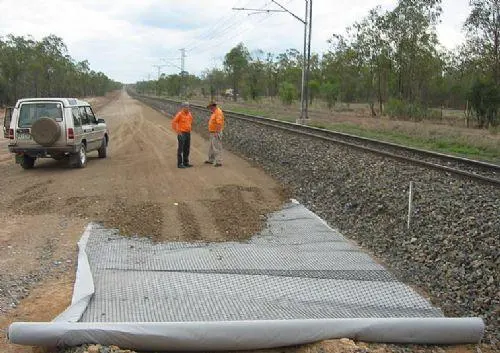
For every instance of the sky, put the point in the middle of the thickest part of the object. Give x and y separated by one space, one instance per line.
130 40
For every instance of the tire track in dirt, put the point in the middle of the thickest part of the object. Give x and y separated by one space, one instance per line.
190 227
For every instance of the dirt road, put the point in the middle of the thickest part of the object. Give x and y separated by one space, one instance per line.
137 189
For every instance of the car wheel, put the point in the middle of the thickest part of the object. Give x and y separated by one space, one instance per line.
28 162
81 157
103 150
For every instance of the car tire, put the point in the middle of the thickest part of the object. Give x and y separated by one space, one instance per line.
103 150
28 162
81 157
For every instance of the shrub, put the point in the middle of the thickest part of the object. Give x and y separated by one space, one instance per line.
330 92
484 97
397 108
287 93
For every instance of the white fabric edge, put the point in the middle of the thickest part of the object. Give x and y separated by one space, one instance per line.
83 289
246 335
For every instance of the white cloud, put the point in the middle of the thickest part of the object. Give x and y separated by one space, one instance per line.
125 38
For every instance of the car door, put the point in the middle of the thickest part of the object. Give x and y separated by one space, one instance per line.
86 127
77 125
95 132
6 121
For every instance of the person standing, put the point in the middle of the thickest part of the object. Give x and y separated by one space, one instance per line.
215 128
181 124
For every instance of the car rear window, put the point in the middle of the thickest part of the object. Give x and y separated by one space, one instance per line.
31 112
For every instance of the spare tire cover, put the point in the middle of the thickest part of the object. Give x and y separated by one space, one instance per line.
45 131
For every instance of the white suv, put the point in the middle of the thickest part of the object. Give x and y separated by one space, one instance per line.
54 128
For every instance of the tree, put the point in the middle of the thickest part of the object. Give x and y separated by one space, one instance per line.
45 69
341 64
235 63
410 28
289 67
483 30
216 80
288 93
485 102
330 92
271 74
255 80
373 47
314 89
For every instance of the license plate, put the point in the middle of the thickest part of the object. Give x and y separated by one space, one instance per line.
23 136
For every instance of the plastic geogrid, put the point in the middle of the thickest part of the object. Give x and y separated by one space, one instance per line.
297 268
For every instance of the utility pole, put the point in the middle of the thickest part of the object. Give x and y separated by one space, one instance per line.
308 69
183 71
306 58
303 92
158 79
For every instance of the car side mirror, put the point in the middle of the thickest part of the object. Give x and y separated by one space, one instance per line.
101 121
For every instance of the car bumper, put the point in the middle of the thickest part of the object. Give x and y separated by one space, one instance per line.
44 151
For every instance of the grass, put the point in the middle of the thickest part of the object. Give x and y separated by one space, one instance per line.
456 145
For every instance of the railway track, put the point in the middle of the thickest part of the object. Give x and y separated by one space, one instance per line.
467 168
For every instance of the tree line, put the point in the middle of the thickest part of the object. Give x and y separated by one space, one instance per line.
30 68
390 59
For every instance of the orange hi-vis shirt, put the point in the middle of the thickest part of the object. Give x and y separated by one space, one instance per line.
182 122
216 122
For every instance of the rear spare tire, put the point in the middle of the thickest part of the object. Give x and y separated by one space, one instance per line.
45 131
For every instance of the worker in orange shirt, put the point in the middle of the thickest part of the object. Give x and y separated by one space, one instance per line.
181 124
215 128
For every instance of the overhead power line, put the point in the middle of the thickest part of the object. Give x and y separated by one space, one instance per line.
224 39
218 25
258 10
222 28
306 61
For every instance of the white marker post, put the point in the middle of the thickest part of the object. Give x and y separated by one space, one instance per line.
410 201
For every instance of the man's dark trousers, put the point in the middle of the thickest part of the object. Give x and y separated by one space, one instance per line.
184 142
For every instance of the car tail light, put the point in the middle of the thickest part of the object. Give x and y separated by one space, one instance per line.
11 134
71 134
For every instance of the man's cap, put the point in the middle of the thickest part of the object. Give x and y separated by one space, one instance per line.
185 104
211 104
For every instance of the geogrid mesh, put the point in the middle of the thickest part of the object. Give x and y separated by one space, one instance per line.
297 268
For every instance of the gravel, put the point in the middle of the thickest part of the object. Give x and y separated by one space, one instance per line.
14 288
